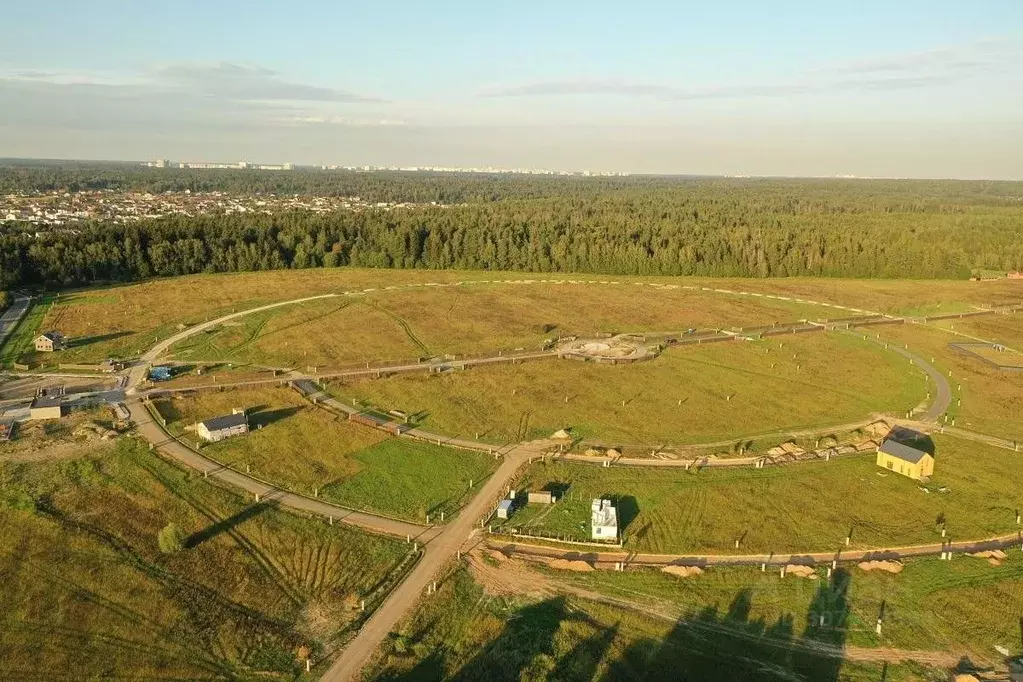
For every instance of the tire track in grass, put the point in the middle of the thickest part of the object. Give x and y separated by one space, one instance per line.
404 325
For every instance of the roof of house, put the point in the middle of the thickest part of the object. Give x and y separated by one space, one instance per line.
228 421
902 451
52 336
46 401
505 504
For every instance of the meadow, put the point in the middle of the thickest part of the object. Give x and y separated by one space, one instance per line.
122 320
689 394
466 633
794 508
247 592
300 447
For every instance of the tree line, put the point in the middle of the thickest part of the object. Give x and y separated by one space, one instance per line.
652 227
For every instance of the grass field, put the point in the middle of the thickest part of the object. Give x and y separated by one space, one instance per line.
302 447
465 634
992 399
121 320
89 595
796 508
727 390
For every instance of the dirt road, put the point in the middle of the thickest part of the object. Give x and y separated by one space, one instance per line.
437 554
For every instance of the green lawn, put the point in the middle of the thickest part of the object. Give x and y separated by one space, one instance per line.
305 448
727 390
463 633
89 595
804 507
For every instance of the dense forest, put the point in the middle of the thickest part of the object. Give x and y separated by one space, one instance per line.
646 225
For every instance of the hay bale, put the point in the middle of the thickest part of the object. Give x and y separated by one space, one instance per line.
682 571
561 434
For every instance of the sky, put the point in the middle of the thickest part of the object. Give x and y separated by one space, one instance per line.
914 88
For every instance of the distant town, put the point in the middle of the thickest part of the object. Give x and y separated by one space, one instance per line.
64 208
245 165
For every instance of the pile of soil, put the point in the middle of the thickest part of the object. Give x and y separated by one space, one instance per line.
888 566
566 565
801 571
682 571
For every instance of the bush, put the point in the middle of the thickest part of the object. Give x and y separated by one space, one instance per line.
171 539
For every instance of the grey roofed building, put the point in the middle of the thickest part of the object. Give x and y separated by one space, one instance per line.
229 421
902 451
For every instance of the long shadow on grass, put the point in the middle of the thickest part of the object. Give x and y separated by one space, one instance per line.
267 417
97 338
228 524
709 646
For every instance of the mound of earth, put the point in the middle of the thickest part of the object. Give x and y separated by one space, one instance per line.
887 566
801 571
91 430
995 554
682 571
567 565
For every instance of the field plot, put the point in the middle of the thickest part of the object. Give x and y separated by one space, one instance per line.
962 606
726 390
992 399
305 448
467 633
233 591
1003 329
807 507
325 333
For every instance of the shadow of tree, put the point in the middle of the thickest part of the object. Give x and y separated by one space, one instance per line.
225 525
711 646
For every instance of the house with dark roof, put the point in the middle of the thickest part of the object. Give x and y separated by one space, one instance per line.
903 453
219 428
47 342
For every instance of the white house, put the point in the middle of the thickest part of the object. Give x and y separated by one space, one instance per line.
604 520
219 428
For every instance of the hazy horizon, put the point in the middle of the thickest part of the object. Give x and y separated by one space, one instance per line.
922 90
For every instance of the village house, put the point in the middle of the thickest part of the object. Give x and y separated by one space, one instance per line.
504 509
47 342
604 520
907 460
219 428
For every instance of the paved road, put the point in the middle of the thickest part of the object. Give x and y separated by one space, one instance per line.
805 558
943 395
437 554
9 320
154 433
